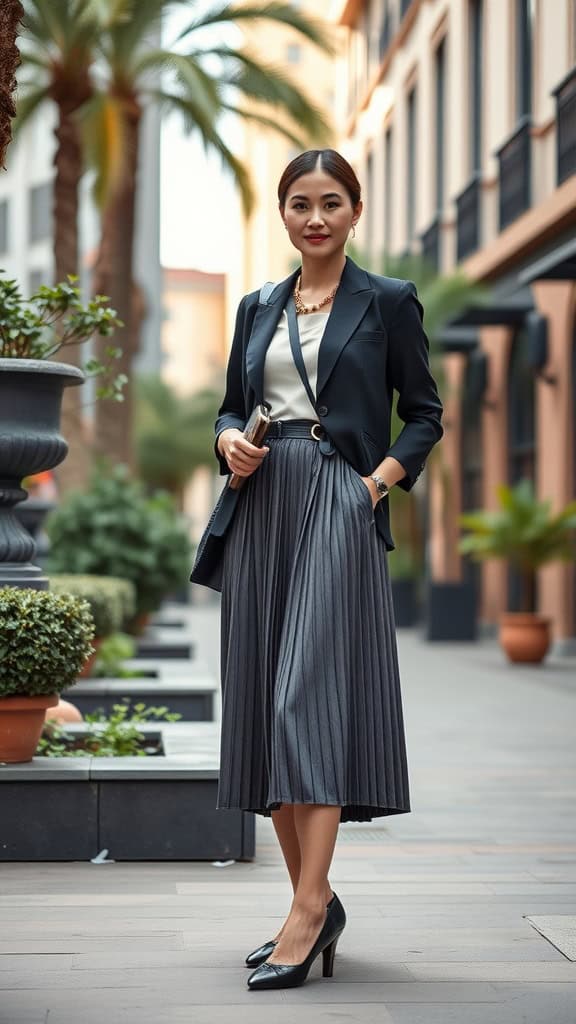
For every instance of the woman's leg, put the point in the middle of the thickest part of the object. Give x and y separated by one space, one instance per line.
283 821
316 827
284 825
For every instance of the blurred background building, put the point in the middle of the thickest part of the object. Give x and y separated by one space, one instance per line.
26 226
266 253
460 118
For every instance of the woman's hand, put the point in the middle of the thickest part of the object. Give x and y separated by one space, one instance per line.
242 456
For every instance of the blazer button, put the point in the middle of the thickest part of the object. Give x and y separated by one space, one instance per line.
322 410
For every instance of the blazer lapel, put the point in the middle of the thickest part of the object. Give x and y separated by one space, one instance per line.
265 323
351 301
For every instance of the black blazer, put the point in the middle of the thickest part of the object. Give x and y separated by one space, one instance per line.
373 343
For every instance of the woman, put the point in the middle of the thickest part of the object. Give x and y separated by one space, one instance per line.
312 729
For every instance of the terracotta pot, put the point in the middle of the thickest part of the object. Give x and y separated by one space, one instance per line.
524 636
89 664
63 712
21 723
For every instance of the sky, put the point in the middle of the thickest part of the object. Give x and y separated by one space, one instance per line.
199 211
199 208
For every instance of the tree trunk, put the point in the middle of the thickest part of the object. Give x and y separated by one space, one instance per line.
11 13
114 428
69 166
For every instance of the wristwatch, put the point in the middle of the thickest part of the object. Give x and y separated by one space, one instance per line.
381 485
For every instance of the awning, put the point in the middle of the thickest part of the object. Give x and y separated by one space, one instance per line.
457 339
558 265
497 310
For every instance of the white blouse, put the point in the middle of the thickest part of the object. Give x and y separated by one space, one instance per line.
283 388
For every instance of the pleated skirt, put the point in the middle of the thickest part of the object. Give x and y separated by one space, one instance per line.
311 699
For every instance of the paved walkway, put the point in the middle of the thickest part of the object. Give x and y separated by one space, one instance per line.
438 900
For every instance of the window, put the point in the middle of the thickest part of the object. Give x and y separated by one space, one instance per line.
40 213
3 225
293 53
476 13
440 68
411 166
524 47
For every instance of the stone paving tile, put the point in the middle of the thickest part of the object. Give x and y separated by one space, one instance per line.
375 1014
439 897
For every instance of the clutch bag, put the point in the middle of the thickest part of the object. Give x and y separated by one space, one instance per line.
255 432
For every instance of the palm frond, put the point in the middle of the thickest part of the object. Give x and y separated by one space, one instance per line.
102 127
196 118
188 72
27 103
312 29
269 84
266 122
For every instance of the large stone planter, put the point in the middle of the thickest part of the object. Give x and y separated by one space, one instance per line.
405 599
137 808
30 442
450 611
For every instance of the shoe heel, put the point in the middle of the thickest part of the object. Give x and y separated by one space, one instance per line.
328 958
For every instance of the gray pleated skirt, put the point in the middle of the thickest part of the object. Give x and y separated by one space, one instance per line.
311 701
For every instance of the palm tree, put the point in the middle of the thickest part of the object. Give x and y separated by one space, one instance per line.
140 73
97 60
10 17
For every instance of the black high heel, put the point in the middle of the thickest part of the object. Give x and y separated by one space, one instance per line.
272 975
258 956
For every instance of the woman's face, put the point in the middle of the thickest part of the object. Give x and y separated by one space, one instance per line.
318 214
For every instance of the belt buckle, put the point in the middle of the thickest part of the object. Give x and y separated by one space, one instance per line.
312 429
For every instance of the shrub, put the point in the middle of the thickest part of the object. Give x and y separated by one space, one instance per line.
44 641
112 601
115 529
524 531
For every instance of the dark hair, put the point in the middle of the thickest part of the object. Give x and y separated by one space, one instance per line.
331 162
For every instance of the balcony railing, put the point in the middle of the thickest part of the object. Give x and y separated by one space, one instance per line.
565 94
515 174
468 219
431 244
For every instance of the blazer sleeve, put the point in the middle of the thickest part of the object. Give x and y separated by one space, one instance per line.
419 405
231 413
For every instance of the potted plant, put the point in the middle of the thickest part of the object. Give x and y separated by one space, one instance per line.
44 641
525 533
114 528
111 601
32 331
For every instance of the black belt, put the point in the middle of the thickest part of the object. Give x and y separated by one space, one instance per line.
311 429
295 428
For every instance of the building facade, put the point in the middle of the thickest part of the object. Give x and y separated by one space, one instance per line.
460 119
26 226
266 249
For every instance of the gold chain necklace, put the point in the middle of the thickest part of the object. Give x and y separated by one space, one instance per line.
301 307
